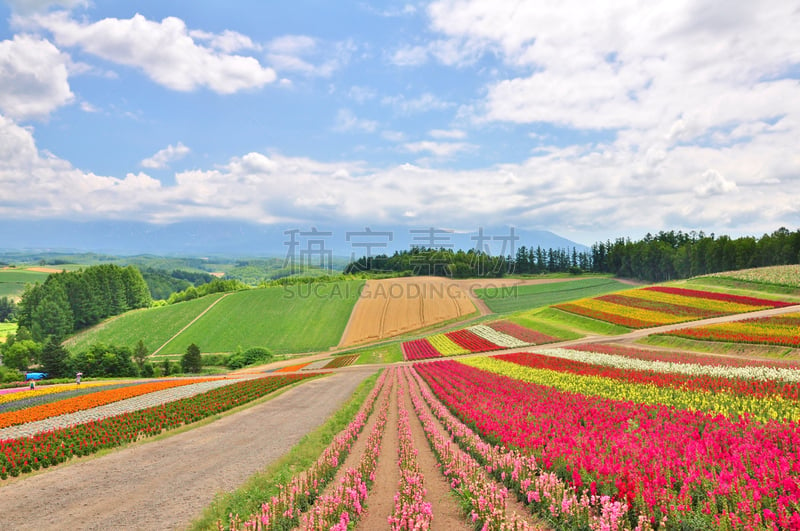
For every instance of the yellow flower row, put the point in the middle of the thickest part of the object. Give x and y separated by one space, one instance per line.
50 389
692 302
640 314
761 409
446 346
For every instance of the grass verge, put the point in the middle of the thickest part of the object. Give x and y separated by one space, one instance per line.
568 324
517 298
248 498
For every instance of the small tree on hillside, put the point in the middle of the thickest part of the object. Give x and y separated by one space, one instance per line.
191 361
54 359
140 355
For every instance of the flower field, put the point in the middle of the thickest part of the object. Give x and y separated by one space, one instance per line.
785 275
479 338
659 305
778 330
721 460
24 454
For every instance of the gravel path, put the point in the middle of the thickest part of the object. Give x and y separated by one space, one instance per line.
164 484
115 408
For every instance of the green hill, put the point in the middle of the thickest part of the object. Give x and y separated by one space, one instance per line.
291 319
517 298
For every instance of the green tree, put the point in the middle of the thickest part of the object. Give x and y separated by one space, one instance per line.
7 307
192 361
54 359
22 354
140 355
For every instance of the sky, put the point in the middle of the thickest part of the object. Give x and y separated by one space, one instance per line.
593 120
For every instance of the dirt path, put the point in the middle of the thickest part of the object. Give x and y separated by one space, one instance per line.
446 511
179 332
165 484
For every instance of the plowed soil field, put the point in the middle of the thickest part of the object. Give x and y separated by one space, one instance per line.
390 307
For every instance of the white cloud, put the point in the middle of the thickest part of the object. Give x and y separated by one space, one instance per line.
165 51
438 149
33 77
361 94
450 134
594 188
31 6
424 103
347 121
163 157
228 41
88 107
393 136
307 55
713 183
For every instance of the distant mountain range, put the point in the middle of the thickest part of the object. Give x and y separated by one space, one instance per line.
231 238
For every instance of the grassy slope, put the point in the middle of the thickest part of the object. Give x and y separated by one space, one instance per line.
565 325
154 326
12 281
301 318
518 298
6 329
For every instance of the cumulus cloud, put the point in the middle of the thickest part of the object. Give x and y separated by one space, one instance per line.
438 149
31 6
576 188
163 157
33 77
165 51
713 183
451 134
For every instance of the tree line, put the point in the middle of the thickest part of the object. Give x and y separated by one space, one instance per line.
70 301
667 255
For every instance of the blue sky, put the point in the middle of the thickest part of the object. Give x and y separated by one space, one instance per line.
592 120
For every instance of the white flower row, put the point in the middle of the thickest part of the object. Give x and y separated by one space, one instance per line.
623 362
498 338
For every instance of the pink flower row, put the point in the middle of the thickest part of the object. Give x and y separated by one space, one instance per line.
411 511
543 491
304 488
487 501
338 510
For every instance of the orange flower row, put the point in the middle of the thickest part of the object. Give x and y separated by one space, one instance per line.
292 368
80 403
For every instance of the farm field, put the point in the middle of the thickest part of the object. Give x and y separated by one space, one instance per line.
154 326
660 305
545 293
785 275
781 330
13 281
391 307
293 319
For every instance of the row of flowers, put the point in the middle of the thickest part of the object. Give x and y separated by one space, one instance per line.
554 500
659 305
482 498
685 357
658 389
283 511
26 392
479 338
89 401
778 330
662 462
785 275
747 379
411 511
341 361
340 509
53 447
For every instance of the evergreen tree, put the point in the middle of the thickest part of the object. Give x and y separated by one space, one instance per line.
192 361
54 359
140 355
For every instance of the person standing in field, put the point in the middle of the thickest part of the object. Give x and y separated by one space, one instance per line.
78 378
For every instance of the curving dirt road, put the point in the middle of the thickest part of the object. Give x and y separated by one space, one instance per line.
165 484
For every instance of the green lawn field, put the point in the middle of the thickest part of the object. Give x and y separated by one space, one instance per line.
154 326
517 298
294 319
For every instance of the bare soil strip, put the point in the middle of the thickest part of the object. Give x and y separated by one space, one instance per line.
380 501
444 505
164 484
513 506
